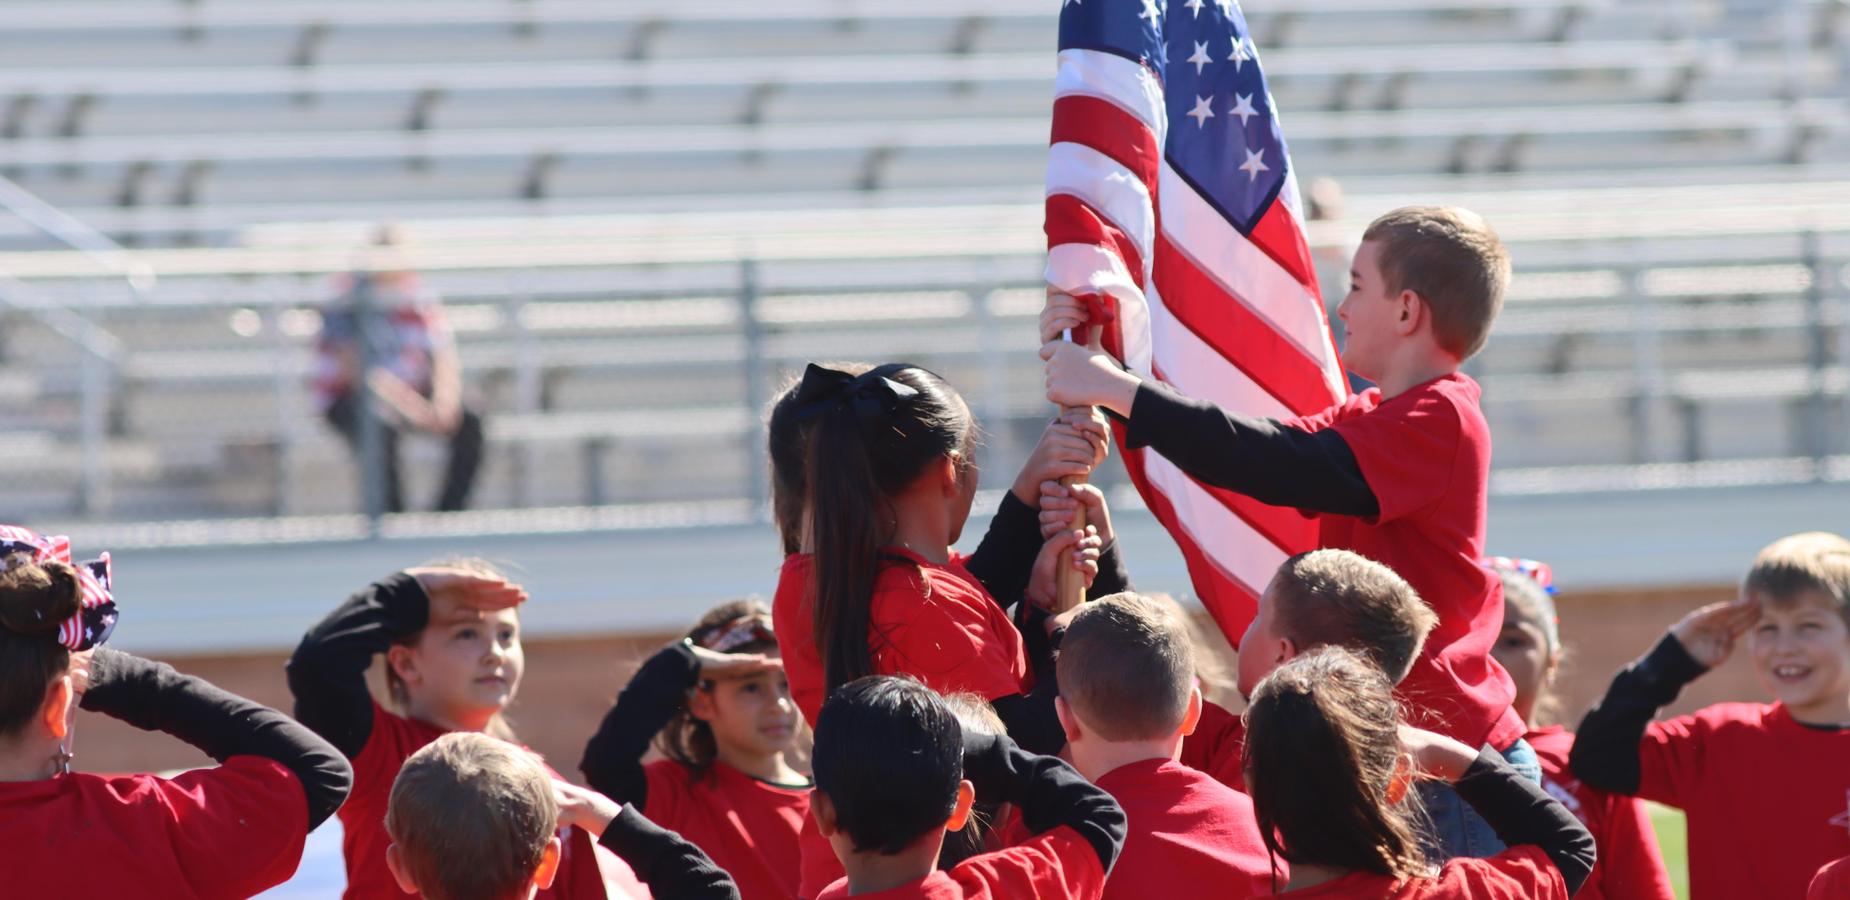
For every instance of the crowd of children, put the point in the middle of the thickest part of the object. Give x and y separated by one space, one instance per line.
906 721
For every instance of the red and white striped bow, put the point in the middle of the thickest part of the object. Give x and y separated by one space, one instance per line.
95 618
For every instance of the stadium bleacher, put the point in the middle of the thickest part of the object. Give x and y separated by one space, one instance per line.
1655 167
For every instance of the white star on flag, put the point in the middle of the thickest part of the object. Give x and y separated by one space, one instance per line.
1226 7
1152 12
1240 57
1200 58
1194 6
1201 112
1243 107
1254 164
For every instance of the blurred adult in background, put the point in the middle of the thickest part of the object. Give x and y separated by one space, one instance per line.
415 380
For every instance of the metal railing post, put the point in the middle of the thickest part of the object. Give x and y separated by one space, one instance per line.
1648 374
757 485
372 430
93 416
527 389
287 389
1816 429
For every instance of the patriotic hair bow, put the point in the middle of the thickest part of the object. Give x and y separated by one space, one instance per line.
1538 572
95 618
748 629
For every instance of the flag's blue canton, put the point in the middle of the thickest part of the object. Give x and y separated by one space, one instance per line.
1127 28
1223 137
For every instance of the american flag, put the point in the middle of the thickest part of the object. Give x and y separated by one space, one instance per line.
1171 200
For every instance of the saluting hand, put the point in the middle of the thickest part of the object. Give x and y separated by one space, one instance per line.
1709 633
721 666
452 588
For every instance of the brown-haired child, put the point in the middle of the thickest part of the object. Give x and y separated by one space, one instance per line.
717 705
1128 698
1398 473
1764 785
471 817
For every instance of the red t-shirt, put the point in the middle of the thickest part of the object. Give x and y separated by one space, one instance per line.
229 831
1519 873
1629 865
1218 747
935 623
1057 865
1426 456
1768 799
1832 882
363 837
1187 832
747 826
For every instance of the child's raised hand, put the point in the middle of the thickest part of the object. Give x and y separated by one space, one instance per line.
456 588
1080 376
1434 755
1074 548
584 808
1709 633
1059 501
1071 445
1064 311
721 666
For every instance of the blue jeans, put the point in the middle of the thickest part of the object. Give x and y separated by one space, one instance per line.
1457 829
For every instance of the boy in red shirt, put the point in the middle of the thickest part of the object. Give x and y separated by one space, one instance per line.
474 816
1764 785
894 770
1397 473
1324 598
1127 699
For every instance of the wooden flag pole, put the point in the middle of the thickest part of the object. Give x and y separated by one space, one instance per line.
1070 586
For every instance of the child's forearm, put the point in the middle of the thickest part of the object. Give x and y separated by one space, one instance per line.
613 757
672 867
327 672
1004 561
1520 812
1605 753
1047 792
1261 458
154 697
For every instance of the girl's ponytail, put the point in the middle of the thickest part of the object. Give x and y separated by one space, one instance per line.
872 435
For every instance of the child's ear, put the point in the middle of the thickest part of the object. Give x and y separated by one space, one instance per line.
395 860
1411 312
1191 718
56 712
548 868
1287 651
700 704
823 811
402 661
966 800
1069 723
948 471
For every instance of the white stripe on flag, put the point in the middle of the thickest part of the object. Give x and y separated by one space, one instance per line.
1122 82
1109 188
1221 253
1089 268
1233 546
1200 371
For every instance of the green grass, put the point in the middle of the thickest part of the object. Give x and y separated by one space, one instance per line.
1673 841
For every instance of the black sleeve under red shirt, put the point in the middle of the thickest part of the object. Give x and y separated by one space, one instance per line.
612 762
154 697
672 867
327 673
1605 753
1047 792
1521 812
1264 459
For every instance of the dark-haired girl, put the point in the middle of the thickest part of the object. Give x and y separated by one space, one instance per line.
231 830
1328 763
889 477
719 709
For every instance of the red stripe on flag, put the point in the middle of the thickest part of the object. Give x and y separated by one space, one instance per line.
1279 236
1105 127
1071 220
1248 341
1231 602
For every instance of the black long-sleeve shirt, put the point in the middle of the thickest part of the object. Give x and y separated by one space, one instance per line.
1520 812
612 763
154 697
672 867
1605 753
327 673
1046 791
1265 459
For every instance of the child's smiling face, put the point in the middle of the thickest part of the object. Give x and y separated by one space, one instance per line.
1801 652
465 667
